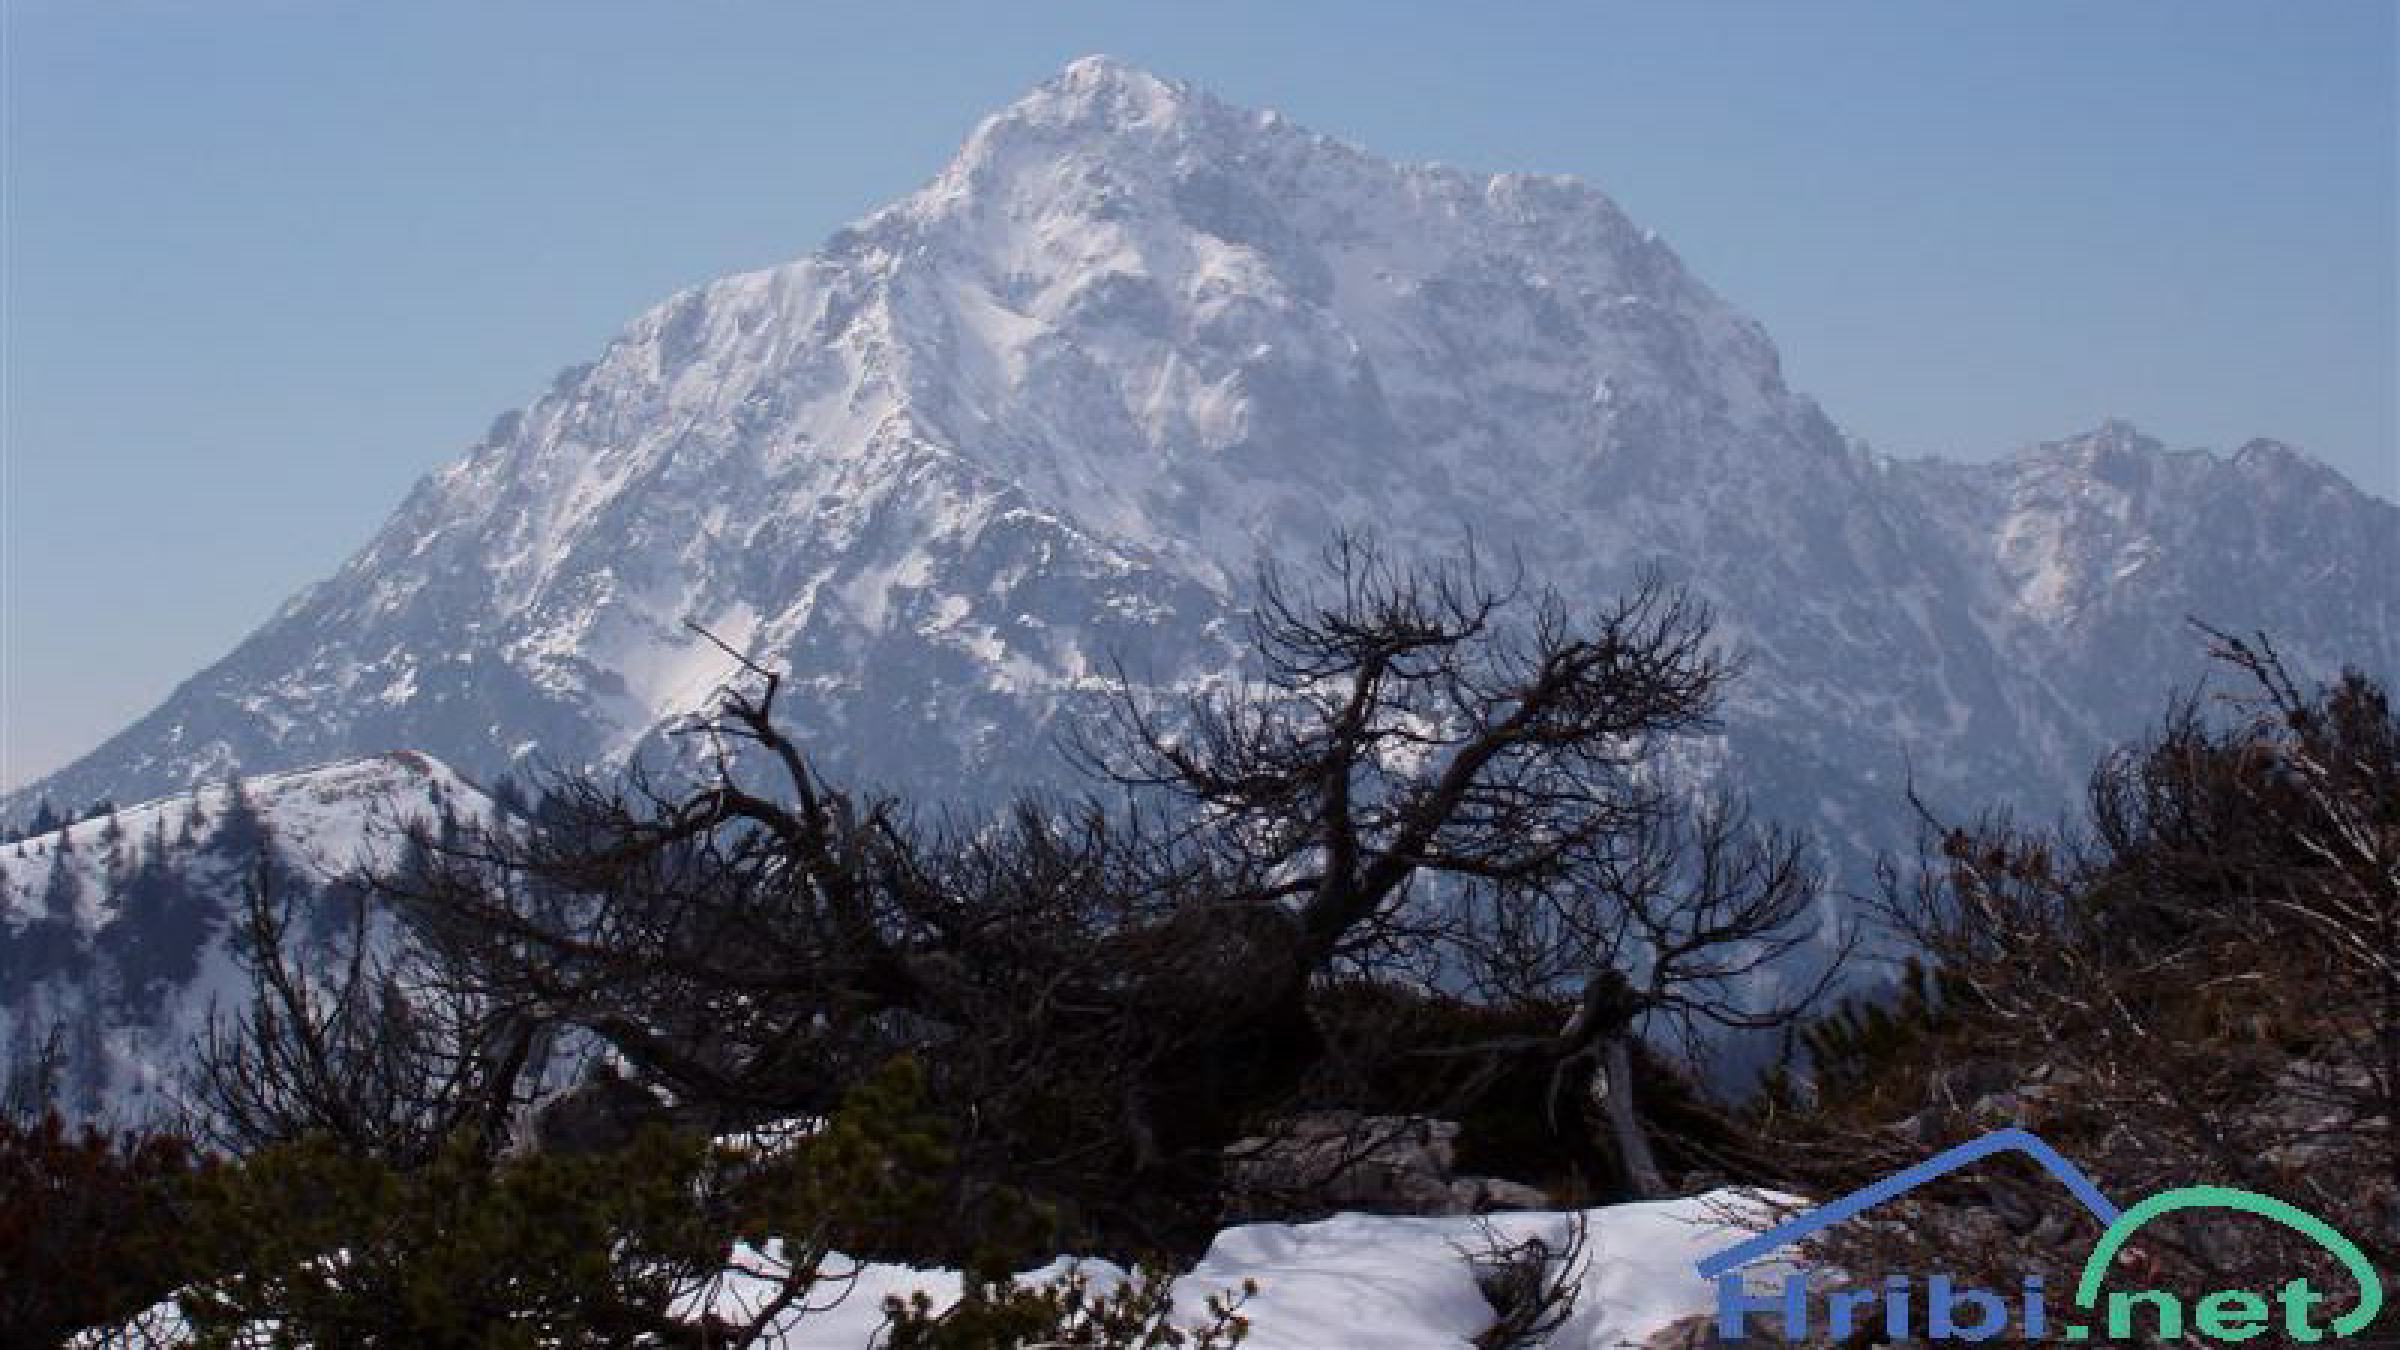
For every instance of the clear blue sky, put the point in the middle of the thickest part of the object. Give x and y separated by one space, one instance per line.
267 261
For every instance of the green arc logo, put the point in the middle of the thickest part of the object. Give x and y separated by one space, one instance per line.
2370 1284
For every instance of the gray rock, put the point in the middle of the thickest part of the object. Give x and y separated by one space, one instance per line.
1340 1160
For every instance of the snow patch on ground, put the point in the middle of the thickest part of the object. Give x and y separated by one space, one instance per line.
1354 1280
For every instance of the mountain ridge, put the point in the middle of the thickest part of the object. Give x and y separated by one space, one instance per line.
121 933
1043 414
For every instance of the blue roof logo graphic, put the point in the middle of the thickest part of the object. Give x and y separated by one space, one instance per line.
1900 1183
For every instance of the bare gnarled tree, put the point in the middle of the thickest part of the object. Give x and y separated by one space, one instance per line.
356 1036
1433 784
1441 779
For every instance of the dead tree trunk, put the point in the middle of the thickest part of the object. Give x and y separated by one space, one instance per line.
1612 1086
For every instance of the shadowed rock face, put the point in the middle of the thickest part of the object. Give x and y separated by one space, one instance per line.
1040 416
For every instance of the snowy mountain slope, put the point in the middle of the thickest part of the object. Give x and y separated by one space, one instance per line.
1043 414
115 931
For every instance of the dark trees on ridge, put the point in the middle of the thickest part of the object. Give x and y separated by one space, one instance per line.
2202 983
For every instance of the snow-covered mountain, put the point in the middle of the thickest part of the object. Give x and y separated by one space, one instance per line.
1043 414
118 933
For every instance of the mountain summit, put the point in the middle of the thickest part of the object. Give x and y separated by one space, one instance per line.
1043 414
